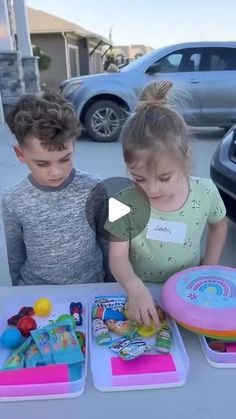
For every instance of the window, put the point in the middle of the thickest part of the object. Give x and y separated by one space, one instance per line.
219 59
196 57
74 61
180 61
169 64
95 62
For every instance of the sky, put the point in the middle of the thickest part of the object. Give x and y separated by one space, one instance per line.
150 22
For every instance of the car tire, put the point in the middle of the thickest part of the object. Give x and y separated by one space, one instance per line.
103 121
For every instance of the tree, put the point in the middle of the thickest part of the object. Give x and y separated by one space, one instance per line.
44 60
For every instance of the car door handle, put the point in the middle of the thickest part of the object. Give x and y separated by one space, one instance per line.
194 81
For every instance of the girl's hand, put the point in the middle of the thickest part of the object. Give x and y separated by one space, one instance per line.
141 306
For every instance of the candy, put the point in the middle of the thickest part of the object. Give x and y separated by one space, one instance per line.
76 310
146 331
16 359
217 345
163 339
24 311
33 356
118 344
42 307
129 348
64 344
107 313
101 332
25 324
161 313
81 339
122 327
63 317
116 303
42 341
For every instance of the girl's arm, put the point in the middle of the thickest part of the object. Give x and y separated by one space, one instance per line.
141 304
216 237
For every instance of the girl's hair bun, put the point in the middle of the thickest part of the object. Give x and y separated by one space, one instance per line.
155 94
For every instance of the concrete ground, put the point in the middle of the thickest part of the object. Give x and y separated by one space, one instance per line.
106 161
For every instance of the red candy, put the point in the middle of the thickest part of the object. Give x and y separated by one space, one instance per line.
25 324
24 311
217 345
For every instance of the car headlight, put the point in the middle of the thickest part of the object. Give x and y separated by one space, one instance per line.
70 87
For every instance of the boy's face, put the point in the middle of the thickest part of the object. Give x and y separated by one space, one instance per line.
48 168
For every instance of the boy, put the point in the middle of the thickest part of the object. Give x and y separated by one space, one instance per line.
48 237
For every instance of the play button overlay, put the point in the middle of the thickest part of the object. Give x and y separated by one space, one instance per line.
118 209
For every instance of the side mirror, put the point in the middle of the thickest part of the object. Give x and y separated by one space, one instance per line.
153 68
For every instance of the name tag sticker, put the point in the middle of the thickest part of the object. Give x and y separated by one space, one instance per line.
166 231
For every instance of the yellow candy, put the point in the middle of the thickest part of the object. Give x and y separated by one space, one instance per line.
146 331
42 307
142 330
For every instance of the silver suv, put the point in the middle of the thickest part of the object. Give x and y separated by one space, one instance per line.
206 71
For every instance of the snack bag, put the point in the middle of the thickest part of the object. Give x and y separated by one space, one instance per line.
16 359
33 356
42 341
64 343
124 328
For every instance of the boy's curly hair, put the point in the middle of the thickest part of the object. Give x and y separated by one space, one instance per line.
50 118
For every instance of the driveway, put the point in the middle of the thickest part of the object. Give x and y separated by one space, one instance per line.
106 161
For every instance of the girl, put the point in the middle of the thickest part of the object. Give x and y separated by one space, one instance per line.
156 151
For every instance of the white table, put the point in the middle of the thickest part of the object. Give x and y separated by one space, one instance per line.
209 393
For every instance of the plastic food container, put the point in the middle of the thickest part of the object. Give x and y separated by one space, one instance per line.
127 378
220 359
40 382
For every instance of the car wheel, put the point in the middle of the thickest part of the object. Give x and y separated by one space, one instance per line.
103 121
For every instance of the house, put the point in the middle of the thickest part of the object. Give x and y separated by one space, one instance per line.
125 53
73 50
18 67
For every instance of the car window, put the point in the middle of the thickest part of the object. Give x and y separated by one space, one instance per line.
180 61
219 59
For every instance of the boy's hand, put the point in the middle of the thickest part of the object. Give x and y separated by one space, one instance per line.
141 306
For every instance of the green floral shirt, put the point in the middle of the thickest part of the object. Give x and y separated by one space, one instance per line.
173 242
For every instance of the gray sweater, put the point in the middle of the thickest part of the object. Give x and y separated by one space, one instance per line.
48 237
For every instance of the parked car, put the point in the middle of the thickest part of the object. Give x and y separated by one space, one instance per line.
223 171
206 71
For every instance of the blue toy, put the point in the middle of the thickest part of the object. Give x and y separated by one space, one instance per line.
11 338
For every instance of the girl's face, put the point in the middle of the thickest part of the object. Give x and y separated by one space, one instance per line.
161 184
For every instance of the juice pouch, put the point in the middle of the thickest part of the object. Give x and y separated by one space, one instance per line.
65 346
163 340
42 341
33 356
100 332
16 359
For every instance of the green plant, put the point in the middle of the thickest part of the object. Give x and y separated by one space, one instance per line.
44 60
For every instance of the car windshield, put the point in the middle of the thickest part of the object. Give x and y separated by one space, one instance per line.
139 61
